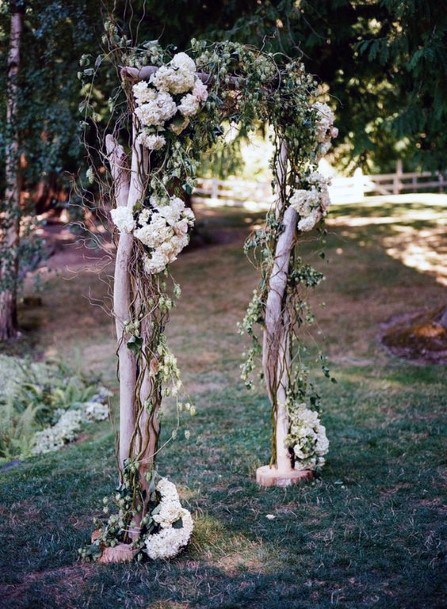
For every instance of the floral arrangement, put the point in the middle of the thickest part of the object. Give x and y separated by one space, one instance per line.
161 226
164 530
301 187
173 524
164 108
312 202
307 437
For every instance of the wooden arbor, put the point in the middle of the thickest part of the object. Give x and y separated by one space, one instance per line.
139 427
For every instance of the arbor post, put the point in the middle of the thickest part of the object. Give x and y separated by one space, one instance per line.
276 357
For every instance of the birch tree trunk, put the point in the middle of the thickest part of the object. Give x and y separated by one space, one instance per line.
122 299
276 359
138 430
10 217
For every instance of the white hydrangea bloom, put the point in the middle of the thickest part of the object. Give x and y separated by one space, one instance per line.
170 512
307 223
156 263
150 140
155 233
189 105
122 218
311 204
143 93
164 229
167 490
307 437
173 80
325 127
183 62
157 111
171 211
325 122
304 201
169 541
200 90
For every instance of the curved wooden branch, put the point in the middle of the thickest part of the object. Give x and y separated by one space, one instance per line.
276 340
122 298
136 74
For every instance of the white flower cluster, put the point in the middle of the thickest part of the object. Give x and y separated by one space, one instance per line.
70 422
164 229
168 542
53 438
123 219
156 106
307 437
325 127
95 411
151 141
312 204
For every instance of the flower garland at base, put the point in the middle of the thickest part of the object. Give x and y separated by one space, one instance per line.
164 532
307 437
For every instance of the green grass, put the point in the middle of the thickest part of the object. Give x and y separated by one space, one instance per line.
369 533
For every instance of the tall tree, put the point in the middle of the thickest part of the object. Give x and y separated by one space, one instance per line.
10 209
39 121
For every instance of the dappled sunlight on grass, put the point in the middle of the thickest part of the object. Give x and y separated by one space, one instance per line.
417 236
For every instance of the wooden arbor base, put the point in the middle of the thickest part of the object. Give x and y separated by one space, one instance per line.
122 552
119 553
272 476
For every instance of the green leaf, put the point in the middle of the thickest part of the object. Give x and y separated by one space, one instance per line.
134 344
178 524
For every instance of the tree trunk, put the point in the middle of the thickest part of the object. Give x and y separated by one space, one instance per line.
276 343
10 217
121 300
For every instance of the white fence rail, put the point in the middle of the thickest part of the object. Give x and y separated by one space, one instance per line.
239 192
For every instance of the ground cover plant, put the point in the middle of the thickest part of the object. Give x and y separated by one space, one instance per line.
369 533
44 405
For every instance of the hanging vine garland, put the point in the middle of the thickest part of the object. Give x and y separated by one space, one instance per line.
176 106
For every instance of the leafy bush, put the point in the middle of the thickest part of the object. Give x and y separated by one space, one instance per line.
34 396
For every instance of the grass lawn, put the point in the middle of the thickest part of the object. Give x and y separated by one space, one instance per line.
369 533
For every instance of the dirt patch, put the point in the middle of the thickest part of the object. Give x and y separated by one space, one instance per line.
417 336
